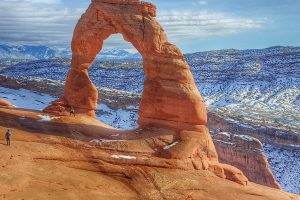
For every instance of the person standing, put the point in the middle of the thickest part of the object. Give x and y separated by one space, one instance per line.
8 136
72 111
60 108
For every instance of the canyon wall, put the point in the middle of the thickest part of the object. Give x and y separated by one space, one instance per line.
246 153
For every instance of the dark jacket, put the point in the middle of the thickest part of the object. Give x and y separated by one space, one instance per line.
8 134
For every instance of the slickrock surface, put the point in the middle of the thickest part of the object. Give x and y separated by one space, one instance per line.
246 153
80 158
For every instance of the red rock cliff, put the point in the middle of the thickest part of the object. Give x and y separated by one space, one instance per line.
246 153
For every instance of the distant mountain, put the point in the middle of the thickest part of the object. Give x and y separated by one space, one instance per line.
30 52
26 52
118 54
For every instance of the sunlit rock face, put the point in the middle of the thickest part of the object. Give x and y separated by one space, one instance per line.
170 96
5 103
246 153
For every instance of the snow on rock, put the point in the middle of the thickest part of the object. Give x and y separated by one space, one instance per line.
225 134
171 145
123 157
47 118
245 138
105 140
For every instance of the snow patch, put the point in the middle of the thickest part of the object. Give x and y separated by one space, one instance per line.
225 134
171 145
47 118
123 157
105 140
245 137
125 119
224 142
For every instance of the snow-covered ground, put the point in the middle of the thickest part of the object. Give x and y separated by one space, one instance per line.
125 119
284 162
285 165
47 118
26 99
273 107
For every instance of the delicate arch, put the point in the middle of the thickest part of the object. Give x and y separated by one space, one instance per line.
170 97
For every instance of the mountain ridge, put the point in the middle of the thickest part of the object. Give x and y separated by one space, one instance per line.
39 52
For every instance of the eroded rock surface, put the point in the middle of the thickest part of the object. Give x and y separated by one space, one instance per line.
170 96
77 165
246 153
243 156
5 103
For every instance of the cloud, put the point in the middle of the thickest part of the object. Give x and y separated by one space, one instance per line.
37 22
201 2
44 1
48 22
204 24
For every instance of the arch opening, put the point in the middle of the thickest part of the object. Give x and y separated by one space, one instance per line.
118 75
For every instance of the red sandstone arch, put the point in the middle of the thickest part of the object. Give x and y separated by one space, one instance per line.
170 96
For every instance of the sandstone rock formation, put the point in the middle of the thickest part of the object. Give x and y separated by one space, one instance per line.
63 159
5 103
170 96
227 153
246 153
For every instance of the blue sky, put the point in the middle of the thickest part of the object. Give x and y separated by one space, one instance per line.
194 25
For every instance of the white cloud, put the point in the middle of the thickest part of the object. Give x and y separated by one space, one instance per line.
47 22
203 24
37 22
201 2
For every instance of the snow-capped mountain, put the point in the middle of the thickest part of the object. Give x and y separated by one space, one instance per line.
26 52
118 54
43 52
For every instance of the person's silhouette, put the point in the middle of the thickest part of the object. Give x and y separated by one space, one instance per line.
72 111
8 136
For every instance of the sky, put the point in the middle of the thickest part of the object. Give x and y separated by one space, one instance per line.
193 25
